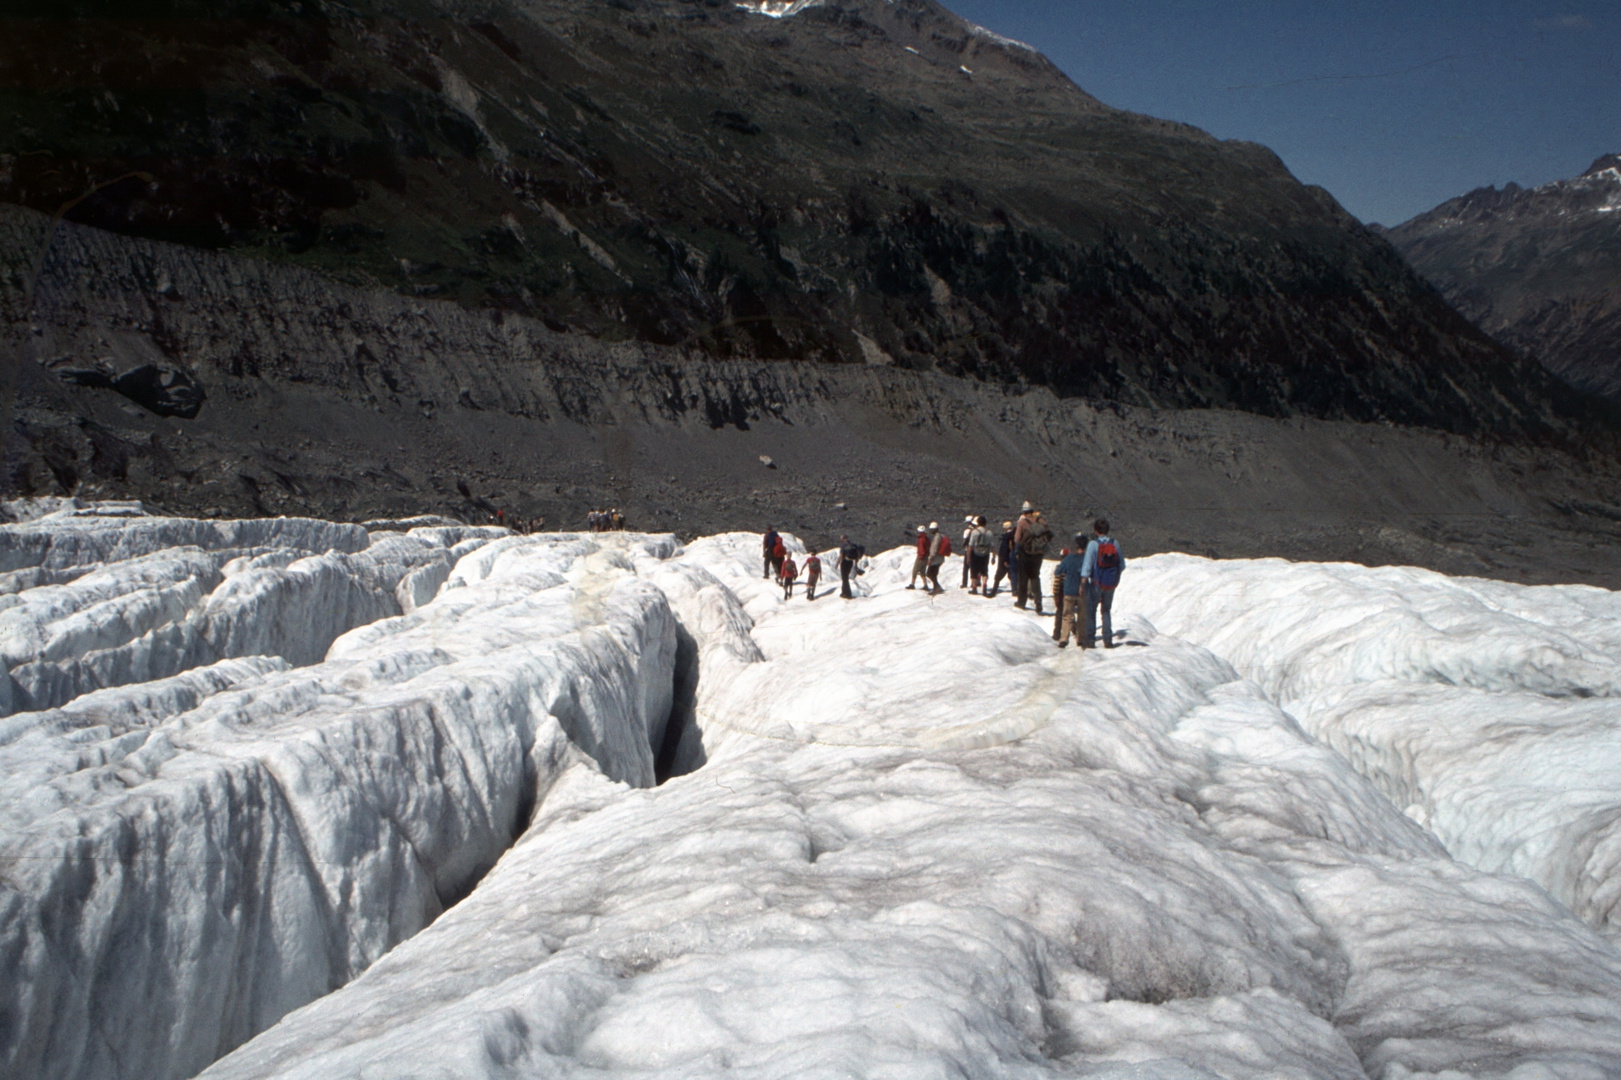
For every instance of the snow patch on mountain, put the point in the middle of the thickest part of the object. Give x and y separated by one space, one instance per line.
998 39
779 9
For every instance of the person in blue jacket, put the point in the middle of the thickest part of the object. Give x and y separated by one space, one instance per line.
1067 580
1100 572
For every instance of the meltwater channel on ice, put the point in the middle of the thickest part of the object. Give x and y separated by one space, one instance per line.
287 798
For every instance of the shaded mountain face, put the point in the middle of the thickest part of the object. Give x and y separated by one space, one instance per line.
1539 269
861 181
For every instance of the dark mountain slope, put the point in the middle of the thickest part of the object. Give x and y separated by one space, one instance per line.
864 181
1539 269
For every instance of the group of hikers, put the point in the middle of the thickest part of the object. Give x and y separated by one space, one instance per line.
605 521
1082 587
515 523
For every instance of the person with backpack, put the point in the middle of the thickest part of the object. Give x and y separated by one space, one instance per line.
1032 538
939 552
920 565
1007 564
850 555
813 574
977 556
769 545
787 573
1101 569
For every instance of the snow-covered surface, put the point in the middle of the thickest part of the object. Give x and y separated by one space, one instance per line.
183 861
907 837
998 39
778 9
1490 712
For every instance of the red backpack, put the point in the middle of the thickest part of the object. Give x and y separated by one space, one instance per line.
1108 569
945 545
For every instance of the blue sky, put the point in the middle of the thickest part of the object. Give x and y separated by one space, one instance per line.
1393 107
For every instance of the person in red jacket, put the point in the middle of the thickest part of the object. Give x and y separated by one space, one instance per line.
787 573
920 565
813 574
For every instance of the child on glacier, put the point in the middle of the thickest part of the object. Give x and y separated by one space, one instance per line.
1068 589
788 572
813 574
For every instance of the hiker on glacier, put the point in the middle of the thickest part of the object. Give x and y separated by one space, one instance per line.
1068 589
787 573
813 574
920 565
1031 538
977 556
967 534
850 554
939 551
1007 565
1101 569
768 547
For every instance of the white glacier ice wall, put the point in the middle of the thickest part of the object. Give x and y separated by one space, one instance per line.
928 844
94 599
184 860
1491 712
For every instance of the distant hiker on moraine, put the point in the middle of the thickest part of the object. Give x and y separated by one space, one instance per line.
850 554
787 573
1101 569
920 565
977 555
1007 564
813 574
769 544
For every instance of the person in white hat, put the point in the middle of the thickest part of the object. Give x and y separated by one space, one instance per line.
939 548
920 565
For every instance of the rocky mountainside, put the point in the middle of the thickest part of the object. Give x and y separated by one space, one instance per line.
1538 268
873 182
381 405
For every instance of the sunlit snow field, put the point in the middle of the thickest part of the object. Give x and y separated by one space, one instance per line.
293 799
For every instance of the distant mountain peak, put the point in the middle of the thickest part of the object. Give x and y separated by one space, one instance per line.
1535 267
1607 167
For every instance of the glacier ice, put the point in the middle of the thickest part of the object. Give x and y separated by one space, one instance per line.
902 836
1490 712
186 860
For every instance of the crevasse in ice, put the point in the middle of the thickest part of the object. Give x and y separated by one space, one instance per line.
901 837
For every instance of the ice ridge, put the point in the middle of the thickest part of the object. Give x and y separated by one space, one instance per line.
1488 711
183 861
